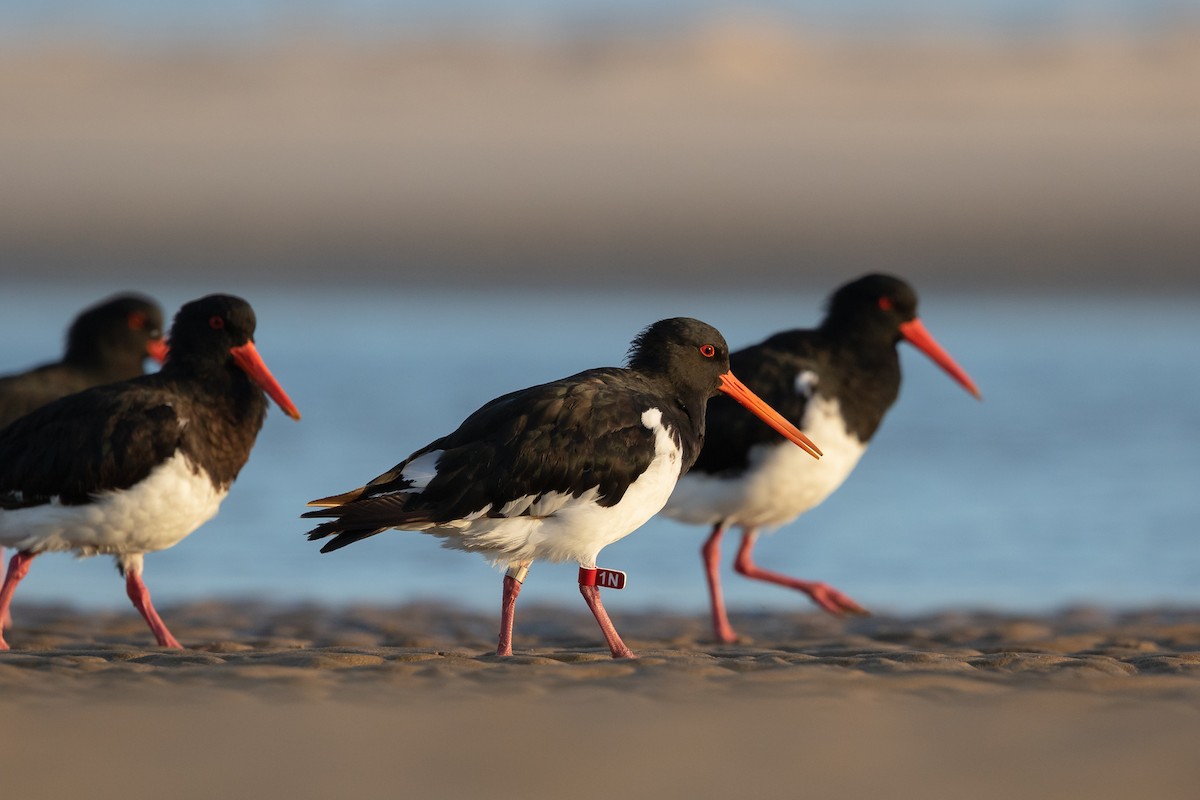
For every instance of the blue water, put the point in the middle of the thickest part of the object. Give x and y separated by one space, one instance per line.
158 21
1075 481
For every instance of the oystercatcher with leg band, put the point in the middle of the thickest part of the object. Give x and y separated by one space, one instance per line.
133 467
560 470
835 382
107 342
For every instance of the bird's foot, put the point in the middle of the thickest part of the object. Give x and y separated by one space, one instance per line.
168 640
833 601
723 632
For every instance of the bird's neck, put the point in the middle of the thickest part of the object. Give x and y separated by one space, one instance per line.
225 411
690 419
225 389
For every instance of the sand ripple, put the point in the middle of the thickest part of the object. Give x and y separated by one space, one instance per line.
316 652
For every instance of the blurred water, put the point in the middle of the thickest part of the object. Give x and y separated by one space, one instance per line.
1075 481
134 20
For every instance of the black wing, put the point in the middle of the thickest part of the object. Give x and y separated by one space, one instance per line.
568 436
105 438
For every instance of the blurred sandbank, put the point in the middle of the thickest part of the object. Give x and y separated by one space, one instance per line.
735 150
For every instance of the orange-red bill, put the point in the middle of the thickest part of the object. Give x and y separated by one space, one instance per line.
923 340
246 356
738 391
158 349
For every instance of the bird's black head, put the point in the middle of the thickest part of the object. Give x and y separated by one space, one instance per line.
125 328
205 330
873 305
694 358
686 351
880 310
215 335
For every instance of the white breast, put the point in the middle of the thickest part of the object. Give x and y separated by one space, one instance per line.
559 527
156 513
782 480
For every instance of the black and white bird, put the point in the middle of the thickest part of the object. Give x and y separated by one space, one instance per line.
558 471
133 467
107 342
835 383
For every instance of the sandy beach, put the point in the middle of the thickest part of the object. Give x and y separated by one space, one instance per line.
309 702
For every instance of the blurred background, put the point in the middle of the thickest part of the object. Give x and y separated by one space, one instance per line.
431 203
983 142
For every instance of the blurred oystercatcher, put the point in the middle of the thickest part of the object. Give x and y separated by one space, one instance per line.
560 470
107 342
836 382
133 467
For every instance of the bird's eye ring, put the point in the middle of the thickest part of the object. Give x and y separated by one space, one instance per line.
136 320
216 322
707 350
885 303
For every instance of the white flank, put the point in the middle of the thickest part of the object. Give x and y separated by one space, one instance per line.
558 527
156 513
782 481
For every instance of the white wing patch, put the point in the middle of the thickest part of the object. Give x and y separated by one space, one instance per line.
806 383
421 471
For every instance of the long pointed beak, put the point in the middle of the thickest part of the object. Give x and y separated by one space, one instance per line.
158 349
923 340
246 356
738 391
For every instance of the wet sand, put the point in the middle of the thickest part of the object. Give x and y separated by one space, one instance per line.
311 702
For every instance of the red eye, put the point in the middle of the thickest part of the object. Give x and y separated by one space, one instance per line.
136 320
885 303
707 350
216 323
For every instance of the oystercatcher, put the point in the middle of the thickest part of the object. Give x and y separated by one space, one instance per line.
836 382
128 468
560 470
107 342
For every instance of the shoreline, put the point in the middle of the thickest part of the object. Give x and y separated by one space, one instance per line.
304 702
324 653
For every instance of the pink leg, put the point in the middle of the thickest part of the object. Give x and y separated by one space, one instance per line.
18 568
591 594
6 617
513 578
722 630
512 588
140 596
822 594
